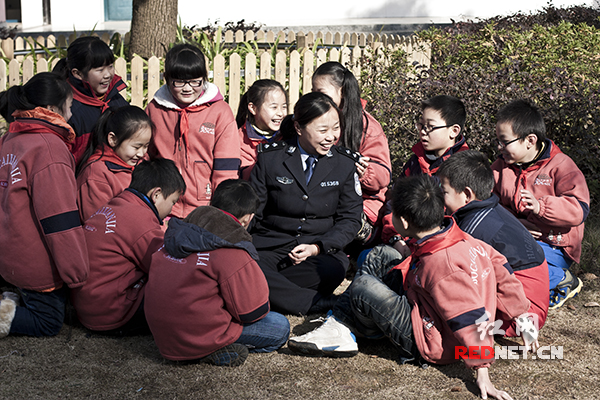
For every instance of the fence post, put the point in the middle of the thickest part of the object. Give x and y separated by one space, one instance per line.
235 62
2 75
280 67
154 82
307 71
294 79
249 71
219 73
137 81
14 77
265 66
121 70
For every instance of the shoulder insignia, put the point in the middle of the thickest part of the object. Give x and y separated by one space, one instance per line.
354 155
265 147
291 149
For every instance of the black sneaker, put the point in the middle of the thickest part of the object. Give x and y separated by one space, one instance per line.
232 355
569 287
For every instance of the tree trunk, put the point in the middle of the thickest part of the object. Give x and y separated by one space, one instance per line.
153 27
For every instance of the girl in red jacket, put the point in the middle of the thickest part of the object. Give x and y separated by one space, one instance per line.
259 117
89 69
42 241
361 133
119 141
194 127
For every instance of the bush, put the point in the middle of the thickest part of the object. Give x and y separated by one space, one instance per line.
554 68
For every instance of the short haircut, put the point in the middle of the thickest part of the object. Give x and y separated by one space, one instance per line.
185 61
420 201
161 173
468 168
235 196
525 119
451 108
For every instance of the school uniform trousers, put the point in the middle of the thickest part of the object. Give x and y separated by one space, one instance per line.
325 212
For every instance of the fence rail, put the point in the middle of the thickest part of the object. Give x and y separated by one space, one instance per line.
233 75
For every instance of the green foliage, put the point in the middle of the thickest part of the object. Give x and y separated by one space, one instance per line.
490 63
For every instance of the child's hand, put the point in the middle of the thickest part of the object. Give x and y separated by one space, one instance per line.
532 228
362 165
402 248
302 252
530 202
529 332
487 388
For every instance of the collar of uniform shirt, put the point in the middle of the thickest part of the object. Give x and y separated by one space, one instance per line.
304 155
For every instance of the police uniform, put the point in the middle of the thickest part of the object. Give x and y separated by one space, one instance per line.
326 212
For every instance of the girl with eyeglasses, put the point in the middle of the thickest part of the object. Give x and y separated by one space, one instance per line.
195 128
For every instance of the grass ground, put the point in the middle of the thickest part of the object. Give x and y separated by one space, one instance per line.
79 365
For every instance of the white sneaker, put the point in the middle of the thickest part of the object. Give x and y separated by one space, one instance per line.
332 339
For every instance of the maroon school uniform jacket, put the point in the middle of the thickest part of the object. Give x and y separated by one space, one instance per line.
104 176
121 237
452 281
203 285
41 239
202 139
560 187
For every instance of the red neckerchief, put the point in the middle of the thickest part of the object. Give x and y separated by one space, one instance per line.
434 243
106 153
232 216
418 149
95 101
42 120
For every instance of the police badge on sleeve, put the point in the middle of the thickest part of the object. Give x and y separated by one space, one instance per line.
357 188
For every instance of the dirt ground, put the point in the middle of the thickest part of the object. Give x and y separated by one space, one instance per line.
79 365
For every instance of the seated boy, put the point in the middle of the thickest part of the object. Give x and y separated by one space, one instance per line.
121 238
440 128
207 298
467 182
440 304
544 189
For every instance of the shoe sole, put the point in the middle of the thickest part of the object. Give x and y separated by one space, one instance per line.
572 294
311 349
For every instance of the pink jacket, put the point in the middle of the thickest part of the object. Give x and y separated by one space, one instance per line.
559 186
249 141
121 238
41 238
378 175
202 139
452 280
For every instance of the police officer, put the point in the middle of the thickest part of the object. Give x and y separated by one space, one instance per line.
310 208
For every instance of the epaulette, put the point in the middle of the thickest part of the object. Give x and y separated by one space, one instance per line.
264 147
354 155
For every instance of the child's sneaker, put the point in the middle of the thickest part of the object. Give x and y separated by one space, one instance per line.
569 287
332 339
231 355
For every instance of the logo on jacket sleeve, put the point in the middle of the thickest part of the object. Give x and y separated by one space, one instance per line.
543 180
208 127
110 218
15 173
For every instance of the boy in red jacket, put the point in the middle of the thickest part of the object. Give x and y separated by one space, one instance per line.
433 302
545 190
121 238
207 298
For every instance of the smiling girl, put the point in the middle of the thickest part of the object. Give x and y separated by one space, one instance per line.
89 69
118 142
260 113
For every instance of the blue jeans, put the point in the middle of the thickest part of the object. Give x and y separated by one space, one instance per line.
558 263
375 304
41 313
267 334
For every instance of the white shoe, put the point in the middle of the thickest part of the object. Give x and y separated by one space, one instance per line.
332 339
8 306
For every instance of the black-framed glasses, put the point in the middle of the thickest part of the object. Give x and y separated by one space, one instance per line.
180 83
428 128
502 145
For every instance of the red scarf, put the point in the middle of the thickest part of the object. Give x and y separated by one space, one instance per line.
42 120
106 153
95 101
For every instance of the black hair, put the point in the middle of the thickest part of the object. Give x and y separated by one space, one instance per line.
308 107
350 104
525 119
159 172
235 196
124 122
256 95
42 90
451 109
420 201
84 54
468 168
185 61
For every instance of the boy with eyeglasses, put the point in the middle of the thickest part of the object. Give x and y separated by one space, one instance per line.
440 128
545 190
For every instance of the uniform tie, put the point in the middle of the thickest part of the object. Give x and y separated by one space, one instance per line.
310 165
